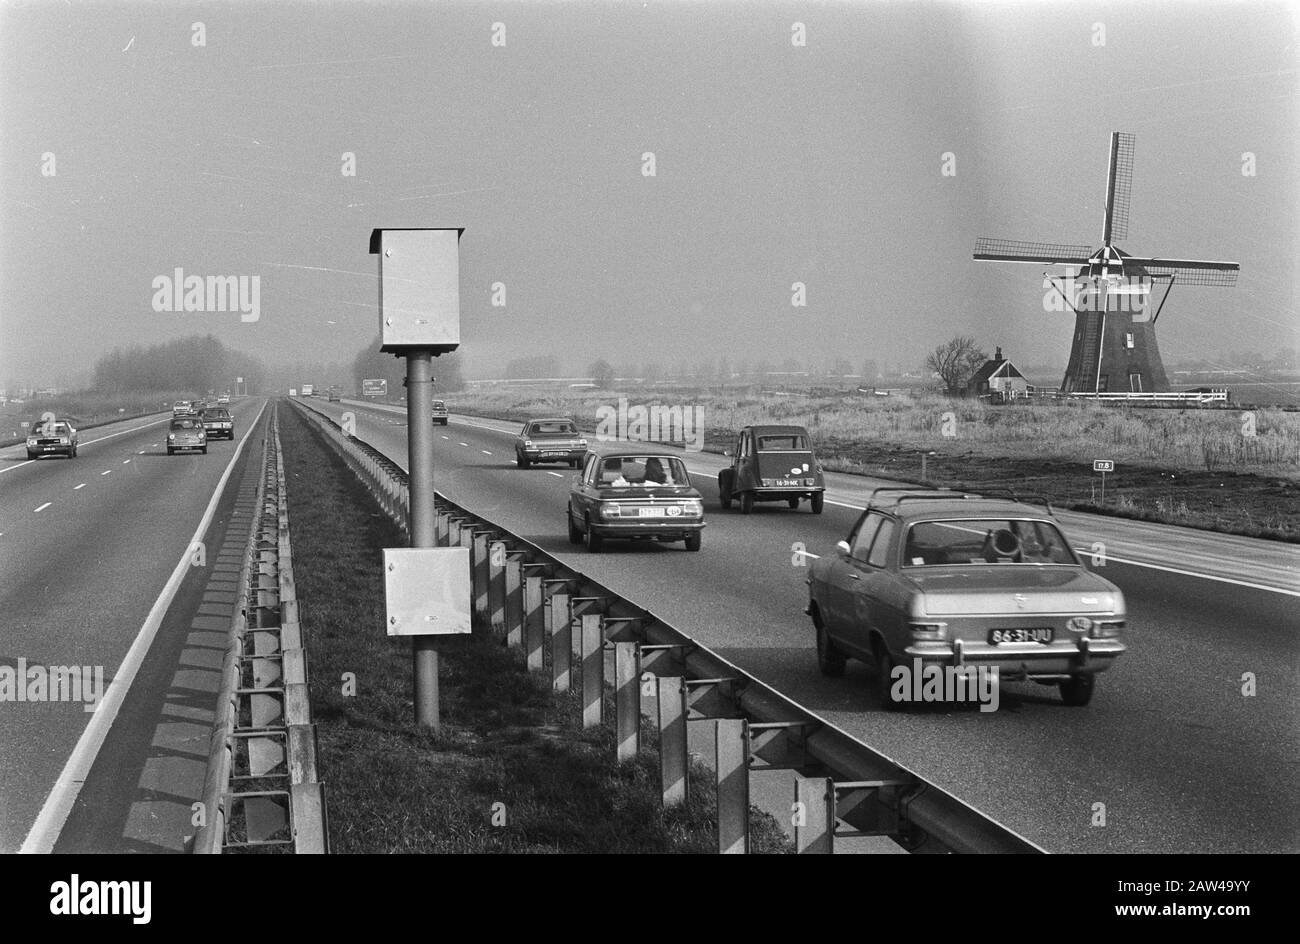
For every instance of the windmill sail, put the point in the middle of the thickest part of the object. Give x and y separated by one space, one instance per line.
1119 187
1190 271
1019 250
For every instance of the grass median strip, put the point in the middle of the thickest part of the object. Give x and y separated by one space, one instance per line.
511 769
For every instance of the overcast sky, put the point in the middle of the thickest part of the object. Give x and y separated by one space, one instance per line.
819 163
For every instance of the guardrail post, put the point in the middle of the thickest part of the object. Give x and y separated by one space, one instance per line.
533 626
813 822
479 575
514 598
561 642
440 529
733 785
627 700
497 587
672 739
593 670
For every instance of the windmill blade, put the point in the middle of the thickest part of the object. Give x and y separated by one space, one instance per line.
1189 271
1019 250
1119 187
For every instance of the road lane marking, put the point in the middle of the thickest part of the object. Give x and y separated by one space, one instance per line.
446 437
465 444
125 461
82 485
556 474
91 442
63 795
485 452
42 507
106 471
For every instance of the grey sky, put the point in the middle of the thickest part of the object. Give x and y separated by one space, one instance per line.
775 164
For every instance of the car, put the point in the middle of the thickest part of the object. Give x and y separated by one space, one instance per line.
183 408
51 438
941 578
550 440
223 400
217 422
333 396
631 491
440 412
186 433
772 463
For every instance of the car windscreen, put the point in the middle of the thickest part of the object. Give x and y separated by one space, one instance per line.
552 429
51 429
631 471
439 405
216 415
985 541
786 442
185 424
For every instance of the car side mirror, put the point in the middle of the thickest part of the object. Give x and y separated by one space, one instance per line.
843 548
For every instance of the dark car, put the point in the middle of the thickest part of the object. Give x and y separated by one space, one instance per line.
51 438
936 578
186 433
440 412
218 423
634 492
769 464
549 440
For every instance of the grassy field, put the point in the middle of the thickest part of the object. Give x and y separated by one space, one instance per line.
1227 470
511 769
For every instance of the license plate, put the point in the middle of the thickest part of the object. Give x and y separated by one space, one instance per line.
651 512
788 482
554 455
1036 634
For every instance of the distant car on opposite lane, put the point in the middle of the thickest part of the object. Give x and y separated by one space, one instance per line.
550 440
439 412
949 579
186 434
631 491
51 438
218 423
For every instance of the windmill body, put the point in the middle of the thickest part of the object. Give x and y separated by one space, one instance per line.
1110 292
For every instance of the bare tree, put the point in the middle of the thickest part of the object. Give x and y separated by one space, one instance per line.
956 362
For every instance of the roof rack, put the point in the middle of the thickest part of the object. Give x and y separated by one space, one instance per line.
913 493
1030 498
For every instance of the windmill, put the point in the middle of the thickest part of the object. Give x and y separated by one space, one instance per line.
1116 353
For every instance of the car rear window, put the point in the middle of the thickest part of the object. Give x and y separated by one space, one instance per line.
786 442
52 429
216 414
985 541
439 405
631 471
552 428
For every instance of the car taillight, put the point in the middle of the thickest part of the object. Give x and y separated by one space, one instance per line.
929 632
1106 629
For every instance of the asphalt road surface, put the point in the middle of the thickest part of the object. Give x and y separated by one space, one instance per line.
1171 756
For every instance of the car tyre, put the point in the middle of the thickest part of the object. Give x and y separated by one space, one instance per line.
693 542
817 501
829 659
593 540
724 488
792 502
204 450
882 669
1077 692
575 535
171 451
524 462
31 455
746 502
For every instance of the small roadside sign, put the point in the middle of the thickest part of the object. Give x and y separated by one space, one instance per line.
1103 465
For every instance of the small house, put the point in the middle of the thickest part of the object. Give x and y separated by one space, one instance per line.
998 379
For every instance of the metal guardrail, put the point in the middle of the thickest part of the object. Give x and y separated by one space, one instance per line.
593 640
262 788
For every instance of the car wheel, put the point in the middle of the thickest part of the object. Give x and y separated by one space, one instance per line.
594 541
519 461
693 542
792 502
817 500
829 659
746 502
524 462
575 535
204 450
31 455
881 680
171 451
724 488
1077 692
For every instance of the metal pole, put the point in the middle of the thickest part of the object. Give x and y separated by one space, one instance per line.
419 438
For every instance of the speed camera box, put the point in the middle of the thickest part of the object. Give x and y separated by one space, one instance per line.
419 289
426 591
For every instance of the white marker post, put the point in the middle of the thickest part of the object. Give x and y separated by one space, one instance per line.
1103 466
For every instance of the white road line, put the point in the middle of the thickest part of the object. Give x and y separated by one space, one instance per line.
556 474
63 795
465 444
485 452
106 471
82 485
140 453
125 461
91 442
42 507
1087 552
446 437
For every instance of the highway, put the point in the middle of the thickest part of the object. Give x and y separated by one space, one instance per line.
1171 756
96 564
